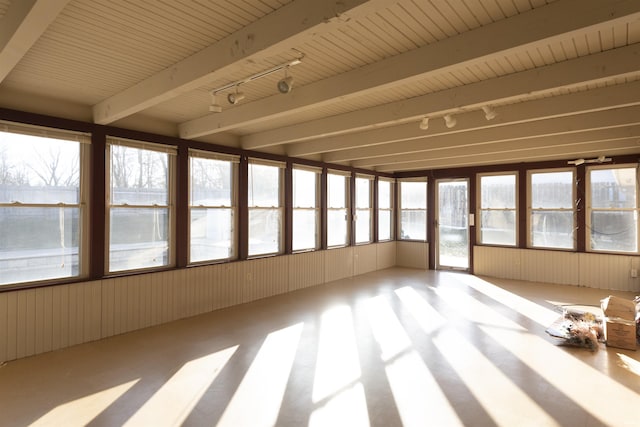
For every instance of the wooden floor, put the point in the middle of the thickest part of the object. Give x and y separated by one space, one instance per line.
398 347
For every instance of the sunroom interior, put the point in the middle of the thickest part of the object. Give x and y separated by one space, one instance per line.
243 174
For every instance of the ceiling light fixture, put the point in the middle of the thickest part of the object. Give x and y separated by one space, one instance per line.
599 159
450 121
424 124
215 107
489 112
285 85
235 97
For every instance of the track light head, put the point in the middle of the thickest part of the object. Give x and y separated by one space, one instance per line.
424 124
489 112
285 85
235 97
450 121
215 107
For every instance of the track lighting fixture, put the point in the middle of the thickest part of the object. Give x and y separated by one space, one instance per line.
235 97
489 112
285 85
450 121
599 159
215 107
424 124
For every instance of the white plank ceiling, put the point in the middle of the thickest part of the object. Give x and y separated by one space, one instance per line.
562 76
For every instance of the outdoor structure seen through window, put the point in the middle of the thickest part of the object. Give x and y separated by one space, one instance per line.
413 210
306 213
140 204
42 207
265 208
337 212
212 214
552 209
612 209
385 209
498 209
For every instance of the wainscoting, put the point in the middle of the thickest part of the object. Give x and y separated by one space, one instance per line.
39 320
567 268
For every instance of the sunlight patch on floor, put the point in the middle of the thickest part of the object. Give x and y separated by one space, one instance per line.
258 399
417 395
503 400
629 364
177 397
337 391
83 410
568 374
523 306
427 316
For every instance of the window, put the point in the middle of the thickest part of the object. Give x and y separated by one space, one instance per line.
498 212
306 214
140 204
551 211
413 210
363 209
42 204
385 209
612 209
212 207
337 209
265 207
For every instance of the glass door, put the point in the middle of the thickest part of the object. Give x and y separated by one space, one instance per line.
452 224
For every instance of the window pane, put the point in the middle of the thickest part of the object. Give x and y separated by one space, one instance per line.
304 229
614 231
613 188
139 238
139 177
337 191
413 224
363 226
38 170
384 194
211 234
552 229
363 199
264 185
498 227
384 225
498 192
552 190
264 231
211 182
38 243
336 227
304 188
413 195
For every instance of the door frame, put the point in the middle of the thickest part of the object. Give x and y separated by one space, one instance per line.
438 265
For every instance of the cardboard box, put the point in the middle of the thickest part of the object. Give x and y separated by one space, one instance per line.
616 307
620 333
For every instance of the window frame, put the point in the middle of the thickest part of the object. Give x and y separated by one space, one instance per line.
171 152
425 182
316 209
346 208
531 209
253 208
234 161
589 209
390 209
515 209
84 151
368 208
